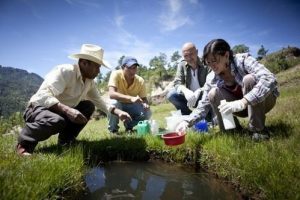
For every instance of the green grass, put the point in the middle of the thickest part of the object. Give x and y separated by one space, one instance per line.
265 170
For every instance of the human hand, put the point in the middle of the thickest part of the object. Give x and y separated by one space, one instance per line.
136 99
182 126
197 93
75 116
124 116
146 106
190 97
232 106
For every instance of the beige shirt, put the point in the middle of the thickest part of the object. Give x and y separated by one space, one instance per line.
64 84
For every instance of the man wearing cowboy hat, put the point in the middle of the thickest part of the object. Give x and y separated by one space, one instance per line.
65 101
128 93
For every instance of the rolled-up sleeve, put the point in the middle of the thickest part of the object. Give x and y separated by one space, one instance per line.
265 81
94 95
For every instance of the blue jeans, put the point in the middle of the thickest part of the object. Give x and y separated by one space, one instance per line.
179 101
135 110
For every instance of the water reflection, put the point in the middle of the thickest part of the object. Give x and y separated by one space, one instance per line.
134 180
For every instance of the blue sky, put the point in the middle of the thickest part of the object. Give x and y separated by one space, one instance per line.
36 35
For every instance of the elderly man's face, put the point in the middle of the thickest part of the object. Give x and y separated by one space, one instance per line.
190 55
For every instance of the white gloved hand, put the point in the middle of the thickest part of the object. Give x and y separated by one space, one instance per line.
232 107
189 95
182 126
197 93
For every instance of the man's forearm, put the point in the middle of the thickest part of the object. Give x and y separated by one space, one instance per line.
120 97
59 108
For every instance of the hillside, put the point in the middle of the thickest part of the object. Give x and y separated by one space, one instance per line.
16 88
282 59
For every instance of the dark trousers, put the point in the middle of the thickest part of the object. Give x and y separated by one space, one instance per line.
41 123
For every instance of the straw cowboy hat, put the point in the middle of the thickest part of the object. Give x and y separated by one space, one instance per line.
91 52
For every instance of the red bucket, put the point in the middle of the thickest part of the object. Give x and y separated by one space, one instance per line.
173 138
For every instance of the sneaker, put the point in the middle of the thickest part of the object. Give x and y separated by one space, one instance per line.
22 151
260 136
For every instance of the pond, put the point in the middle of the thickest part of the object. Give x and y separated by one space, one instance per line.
153 180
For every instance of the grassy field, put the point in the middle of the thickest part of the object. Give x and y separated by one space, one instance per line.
264 170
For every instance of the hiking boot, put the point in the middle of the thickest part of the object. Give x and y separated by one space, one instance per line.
22 151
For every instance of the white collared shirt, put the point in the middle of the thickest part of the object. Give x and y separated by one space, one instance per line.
194 80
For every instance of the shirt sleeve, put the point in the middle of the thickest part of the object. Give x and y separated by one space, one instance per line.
94 95
265 81
203 106
53 85
180 76
143 92
113 79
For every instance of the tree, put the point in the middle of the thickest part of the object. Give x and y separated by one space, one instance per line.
100 78
172 66
241 48
120 61
262 52
158 64
175 56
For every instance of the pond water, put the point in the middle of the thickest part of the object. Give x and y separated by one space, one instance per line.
152 180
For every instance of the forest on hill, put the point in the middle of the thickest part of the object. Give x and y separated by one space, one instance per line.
16 88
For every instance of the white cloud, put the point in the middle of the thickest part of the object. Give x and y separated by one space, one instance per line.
119 20
128 44
194 1
93 3
173 16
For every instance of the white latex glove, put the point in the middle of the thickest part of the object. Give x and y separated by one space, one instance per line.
197 93
182 126
189 95
232 107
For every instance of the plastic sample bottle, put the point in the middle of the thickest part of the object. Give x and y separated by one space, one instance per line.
154 127
228 120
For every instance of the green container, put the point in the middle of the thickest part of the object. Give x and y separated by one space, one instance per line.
143 128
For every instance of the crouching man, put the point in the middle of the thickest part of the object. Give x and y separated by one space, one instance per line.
65 102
